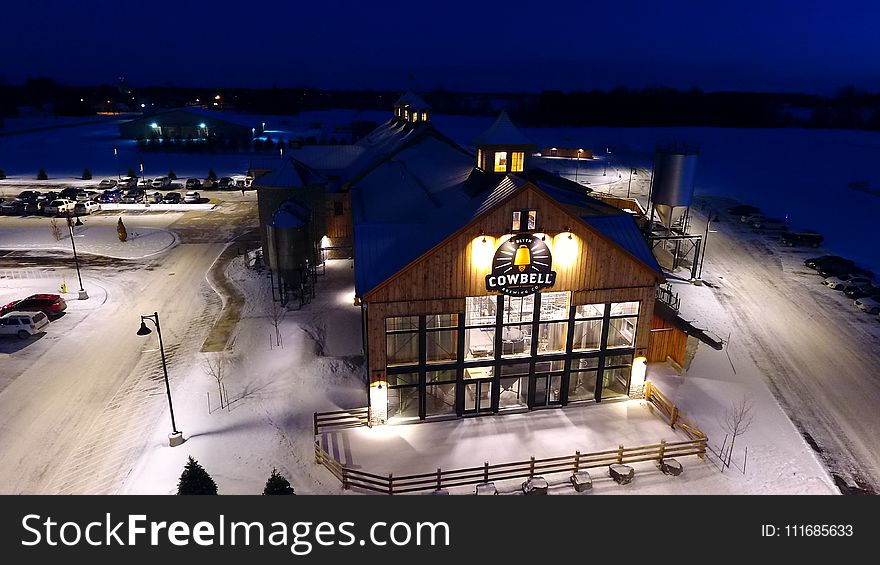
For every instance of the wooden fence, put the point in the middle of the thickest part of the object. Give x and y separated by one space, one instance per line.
671 412
401 484
340 419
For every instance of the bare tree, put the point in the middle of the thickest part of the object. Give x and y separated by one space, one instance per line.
276 314
736 421
215 366
56 229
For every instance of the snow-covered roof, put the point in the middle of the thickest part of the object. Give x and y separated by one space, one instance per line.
327 158
290 174
502 132
410 98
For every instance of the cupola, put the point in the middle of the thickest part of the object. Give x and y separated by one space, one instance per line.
411 108
503 148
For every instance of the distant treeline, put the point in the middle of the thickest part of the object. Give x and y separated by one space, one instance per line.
849 108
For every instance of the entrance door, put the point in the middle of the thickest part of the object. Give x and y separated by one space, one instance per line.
478 396
546 390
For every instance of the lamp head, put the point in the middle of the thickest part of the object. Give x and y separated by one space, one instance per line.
144 330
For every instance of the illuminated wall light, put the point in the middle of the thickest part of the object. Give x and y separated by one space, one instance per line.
565 249
482 252
154 125
639 369
378 403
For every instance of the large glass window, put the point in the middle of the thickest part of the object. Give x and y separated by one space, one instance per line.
615 376
588 327
622 332
514 386
552 337
402 348
480 320
441 346
518 309
554 306
440 399
501 161
480 310
516 339
479 343
403 402
582 385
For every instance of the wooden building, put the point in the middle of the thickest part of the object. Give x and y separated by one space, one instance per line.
487 285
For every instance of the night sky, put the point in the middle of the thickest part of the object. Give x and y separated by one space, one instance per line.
806 46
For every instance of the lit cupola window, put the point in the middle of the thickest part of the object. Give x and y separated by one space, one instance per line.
412 108
503 147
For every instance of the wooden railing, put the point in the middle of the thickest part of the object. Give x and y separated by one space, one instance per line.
341 419
671 412
401 484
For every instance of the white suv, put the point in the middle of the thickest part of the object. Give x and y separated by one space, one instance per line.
23 324
59 206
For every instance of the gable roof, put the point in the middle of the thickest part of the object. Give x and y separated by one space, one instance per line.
384 248
503 132
291 174
410 98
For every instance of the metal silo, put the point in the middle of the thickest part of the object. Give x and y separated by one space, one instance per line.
675 171
287 236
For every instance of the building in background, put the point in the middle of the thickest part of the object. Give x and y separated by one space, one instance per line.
191 122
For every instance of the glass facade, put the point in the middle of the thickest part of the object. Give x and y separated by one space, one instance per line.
509 353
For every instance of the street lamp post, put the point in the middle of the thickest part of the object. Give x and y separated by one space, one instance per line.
175 438
116 156
83 295
632 171
709 219
578 165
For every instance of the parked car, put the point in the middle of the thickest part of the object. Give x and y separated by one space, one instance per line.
225 183
86 195
827 260
59 206
110 196
801 239
171 198
26 195
770 224
242 181
107 184
862 290
192 198
209 183
160 182
70 192
192 184
47 197
836 271
34 207
127 182
133 196
12 207
842 281
87 207
871 305
751 218
154 197
51 305
857 287
23 324
743 210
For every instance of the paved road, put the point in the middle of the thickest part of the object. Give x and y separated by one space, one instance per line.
84 400
820 355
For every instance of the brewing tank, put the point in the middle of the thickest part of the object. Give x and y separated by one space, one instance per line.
674 176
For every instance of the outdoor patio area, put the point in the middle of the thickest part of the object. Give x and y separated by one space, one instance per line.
470 442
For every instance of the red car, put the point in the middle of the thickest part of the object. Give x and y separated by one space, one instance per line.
50 304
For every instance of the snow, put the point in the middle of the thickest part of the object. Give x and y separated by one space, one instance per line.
98 236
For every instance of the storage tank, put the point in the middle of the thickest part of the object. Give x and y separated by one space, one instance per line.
675 172
287 235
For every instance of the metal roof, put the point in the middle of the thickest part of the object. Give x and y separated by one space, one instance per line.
291 174
621 228
502 132
410 98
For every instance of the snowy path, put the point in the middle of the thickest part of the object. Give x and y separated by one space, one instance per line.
819 354
80 412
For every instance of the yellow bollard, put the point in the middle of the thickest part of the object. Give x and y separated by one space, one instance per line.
63 287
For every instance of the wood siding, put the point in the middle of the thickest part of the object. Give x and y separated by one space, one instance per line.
440 280
666 341
339 227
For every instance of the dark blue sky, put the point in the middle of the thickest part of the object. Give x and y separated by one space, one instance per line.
772 45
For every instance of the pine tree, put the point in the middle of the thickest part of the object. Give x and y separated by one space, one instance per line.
212 175
195 480
277 484
41 175
172 175
2 174
131 172
87 174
